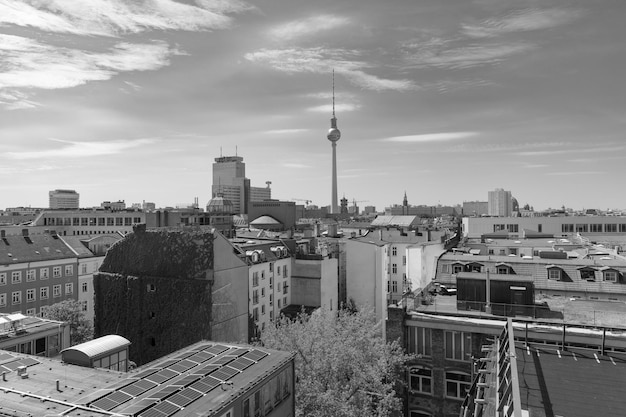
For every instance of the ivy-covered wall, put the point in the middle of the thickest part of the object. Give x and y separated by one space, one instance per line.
154 288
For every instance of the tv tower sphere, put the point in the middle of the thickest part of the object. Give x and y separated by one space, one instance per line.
333 134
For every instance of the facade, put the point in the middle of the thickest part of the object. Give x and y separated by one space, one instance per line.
87 222
475 208
315 278
270 286
378 262
63 199
31 335
229 180
284 212
36 271
163 290
204 379
609 230
500 203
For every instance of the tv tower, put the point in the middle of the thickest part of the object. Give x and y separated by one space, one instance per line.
333 136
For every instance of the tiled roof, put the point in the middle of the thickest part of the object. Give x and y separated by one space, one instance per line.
33 248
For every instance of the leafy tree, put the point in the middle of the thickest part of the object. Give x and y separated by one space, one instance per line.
70 311
344 367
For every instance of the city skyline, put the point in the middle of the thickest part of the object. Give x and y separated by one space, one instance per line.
448 101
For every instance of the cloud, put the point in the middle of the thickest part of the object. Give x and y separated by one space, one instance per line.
307 27
339 108
574 150
522 21
80 149
294 165
285 131
29 64
323 61
574 173
431 137
464 56
115 17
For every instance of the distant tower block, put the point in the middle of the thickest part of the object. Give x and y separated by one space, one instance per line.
333 136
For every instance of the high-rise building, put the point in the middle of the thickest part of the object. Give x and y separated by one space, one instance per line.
333 136
229 180
499 202
63 199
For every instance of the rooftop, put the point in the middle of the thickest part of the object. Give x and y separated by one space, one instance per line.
41 247
201 378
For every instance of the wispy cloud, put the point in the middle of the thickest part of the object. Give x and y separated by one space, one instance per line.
574 150
339 108
282 132
431 137
575 173
115 17
307 27
71 149
468 56
322 61
295 165
30 64
522 21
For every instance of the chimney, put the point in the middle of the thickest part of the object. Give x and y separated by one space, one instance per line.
3 234
25 232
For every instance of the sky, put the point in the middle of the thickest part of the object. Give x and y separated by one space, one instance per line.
443 100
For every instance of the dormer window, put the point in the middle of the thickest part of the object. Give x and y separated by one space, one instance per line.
587 273
456 268
554 272
475 267
610 274
503 269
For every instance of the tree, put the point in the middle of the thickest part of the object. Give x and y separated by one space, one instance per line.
344 367
71 311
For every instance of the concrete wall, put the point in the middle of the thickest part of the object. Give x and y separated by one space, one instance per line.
422 264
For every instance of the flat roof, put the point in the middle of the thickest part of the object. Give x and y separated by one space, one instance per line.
573 384
189 381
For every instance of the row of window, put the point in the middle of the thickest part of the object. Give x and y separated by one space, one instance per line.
91 221
255 274
31 274
31 294
457 383
269 396
554 273
594 228
511 228
457 345
255 297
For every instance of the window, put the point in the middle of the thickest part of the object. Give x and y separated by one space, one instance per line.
394 268
69 270
278 286
512 228
419 341
255 279
503 270
394 251
622 228
458 345
513 251
151 288
44 273
394 286
445 268
271 299
421 379
31 311
567 228
490 251
285 301
588 274
69 288
31 275
262 274
498 227
610 228
3 299
83 269
403 259
56 272
582 228
56 291
85 287
285 286
285 271
16 297
3 278
16 277
262 308
278 270
476 267
30 295
255 314
83 305
43 293
457 384
255 297
271 266
456 268
610 275
595 228
554 273
271 314
101 221
279 303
